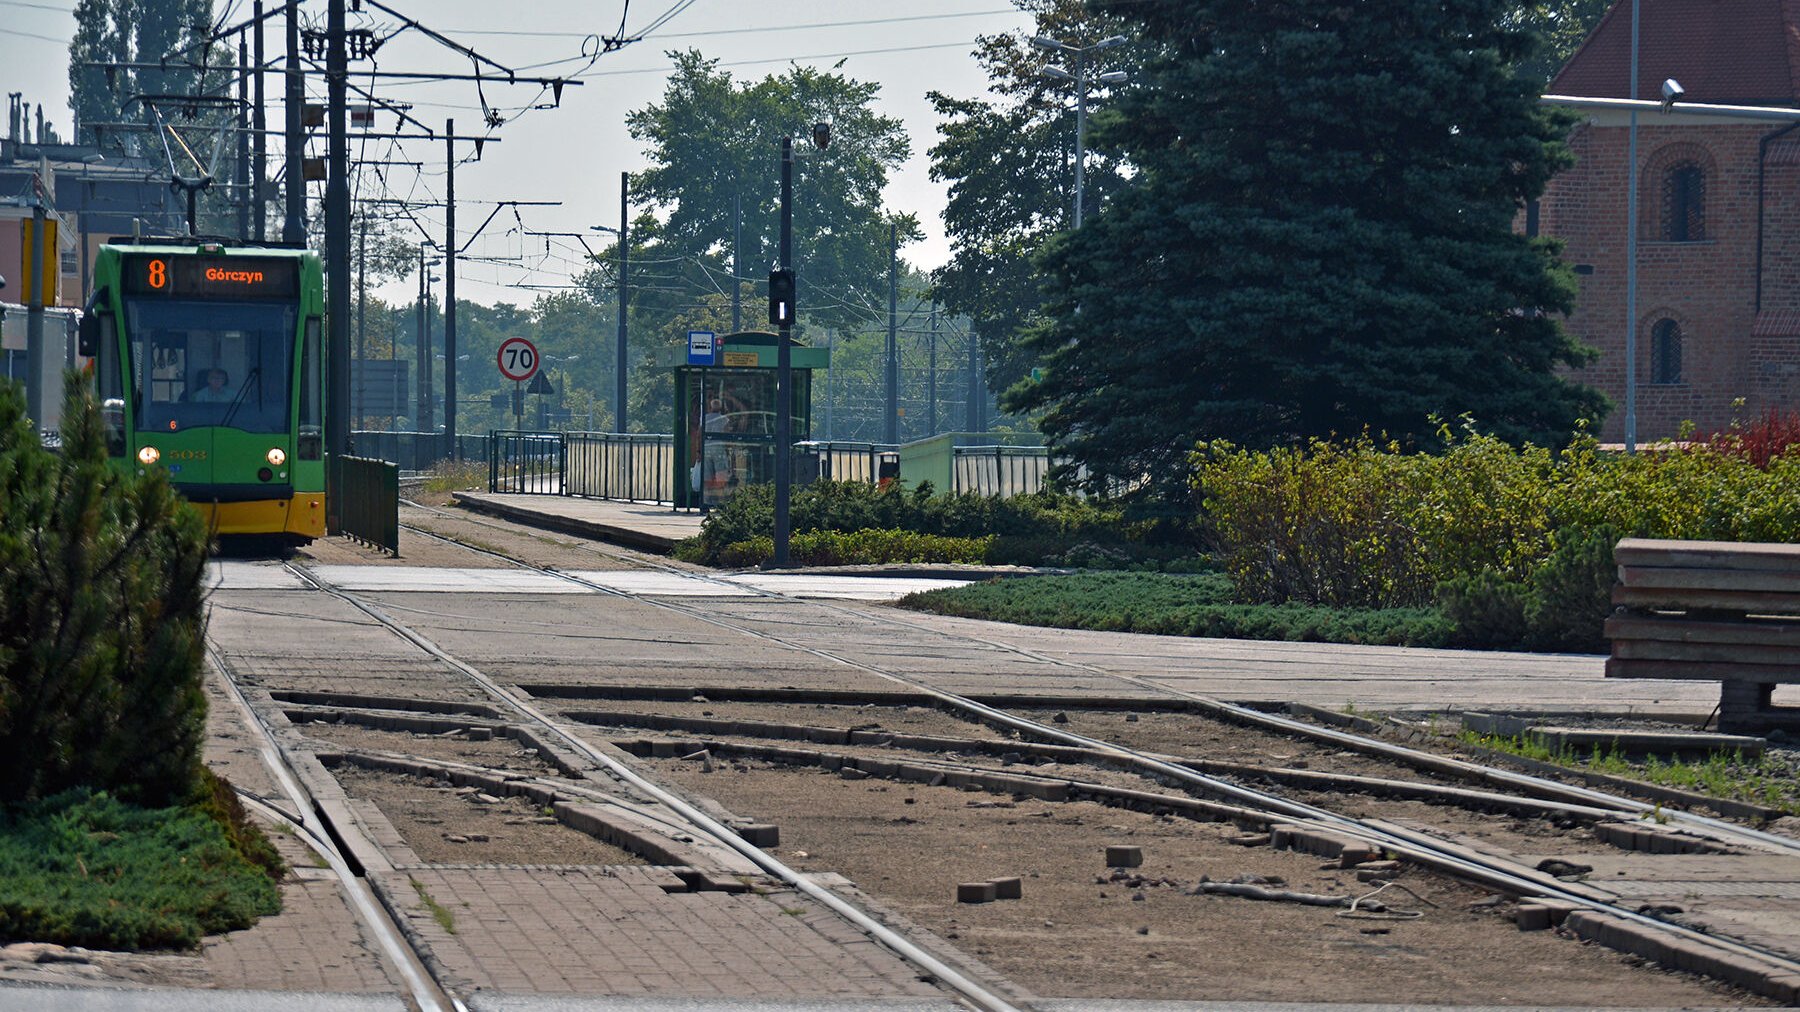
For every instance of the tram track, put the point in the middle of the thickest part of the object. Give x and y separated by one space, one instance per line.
1412 845
523 711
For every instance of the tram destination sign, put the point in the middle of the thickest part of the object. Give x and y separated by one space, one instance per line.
212 277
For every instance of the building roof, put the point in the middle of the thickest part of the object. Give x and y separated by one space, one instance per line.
1724 52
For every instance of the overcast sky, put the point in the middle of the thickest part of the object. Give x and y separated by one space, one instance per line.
575 154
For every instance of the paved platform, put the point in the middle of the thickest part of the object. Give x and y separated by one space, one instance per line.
242 575
637 525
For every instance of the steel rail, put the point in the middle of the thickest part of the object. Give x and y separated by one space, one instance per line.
1536 786
908 950
426 991
1422 848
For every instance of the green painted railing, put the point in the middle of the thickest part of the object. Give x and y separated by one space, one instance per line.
366 493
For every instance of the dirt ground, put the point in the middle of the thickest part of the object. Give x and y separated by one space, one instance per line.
457 825
1079 931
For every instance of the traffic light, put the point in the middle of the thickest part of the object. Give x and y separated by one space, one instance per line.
781 298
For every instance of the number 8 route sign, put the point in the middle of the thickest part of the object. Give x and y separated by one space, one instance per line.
518 359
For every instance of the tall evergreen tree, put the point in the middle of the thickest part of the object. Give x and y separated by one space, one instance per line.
1010 165
1317 238
139 31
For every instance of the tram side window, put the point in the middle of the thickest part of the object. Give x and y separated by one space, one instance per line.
311 441
110 385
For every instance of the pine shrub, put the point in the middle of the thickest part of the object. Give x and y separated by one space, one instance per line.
101 628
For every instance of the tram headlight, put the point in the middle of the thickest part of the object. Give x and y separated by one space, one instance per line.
149 455
277 456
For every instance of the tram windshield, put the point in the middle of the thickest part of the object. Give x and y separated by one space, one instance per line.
211 363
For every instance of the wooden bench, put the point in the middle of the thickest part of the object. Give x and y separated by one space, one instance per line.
1712 610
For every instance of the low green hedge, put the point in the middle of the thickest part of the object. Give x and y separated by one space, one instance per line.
84 868
859 548
1177 605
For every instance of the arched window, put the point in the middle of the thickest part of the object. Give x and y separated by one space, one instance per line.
1684 203
1665 352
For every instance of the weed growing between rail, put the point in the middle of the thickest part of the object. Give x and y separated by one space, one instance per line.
457 476
1765 780
84 868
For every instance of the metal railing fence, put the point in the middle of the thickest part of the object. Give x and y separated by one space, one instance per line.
846 461
416 451
367 494
999 470
524 462
610 465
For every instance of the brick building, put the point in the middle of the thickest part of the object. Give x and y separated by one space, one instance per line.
1718 300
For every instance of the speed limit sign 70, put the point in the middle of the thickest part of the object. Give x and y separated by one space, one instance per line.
518 359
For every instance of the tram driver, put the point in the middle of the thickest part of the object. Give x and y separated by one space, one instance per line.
214 392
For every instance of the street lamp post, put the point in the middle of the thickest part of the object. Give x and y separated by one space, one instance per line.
1079 77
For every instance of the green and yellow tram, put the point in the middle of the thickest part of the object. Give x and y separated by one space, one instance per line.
207 359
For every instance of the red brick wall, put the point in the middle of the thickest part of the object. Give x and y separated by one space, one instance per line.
1708 287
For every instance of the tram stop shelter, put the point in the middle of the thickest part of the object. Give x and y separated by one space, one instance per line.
725 408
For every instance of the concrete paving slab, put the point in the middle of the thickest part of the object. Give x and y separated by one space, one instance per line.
115 999
376 579
489 1002
840 588
640 525
242 574
656 583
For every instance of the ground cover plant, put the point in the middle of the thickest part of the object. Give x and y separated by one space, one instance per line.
85 868
1769 780
112 832
1172 604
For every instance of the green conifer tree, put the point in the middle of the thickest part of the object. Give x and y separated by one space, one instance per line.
1316 238
101 628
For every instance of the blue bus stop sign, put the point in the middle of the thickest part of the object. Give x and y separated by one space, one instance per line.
702 348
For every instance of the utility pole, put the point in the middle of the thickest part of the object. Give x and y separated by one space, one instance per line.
892 432
293 226
424 421
737 263
359 381
37 357
975 421
259 122
931 379
449 288
784 365
242 169
337 251
624 266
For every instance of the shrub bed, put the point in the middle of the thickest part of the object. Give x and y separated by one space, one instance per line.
84 868
859 548
1515 544
1176 605
1043 528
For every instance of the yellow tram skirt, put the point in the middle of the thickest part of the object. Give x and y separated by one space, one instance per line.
302 516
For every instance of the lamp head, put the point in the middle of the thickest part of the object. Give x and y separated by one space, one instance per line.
1046 42
821 135
1114 77
1671 93
1057 74
1109 42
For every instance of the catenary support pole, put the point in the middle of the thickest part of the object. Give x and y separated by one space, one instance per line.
784 367
241 171
620 364
359 381
931 427
37 356
293 224
1631 249
451 449
891 432
259 122
337 251
737 263
974 419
